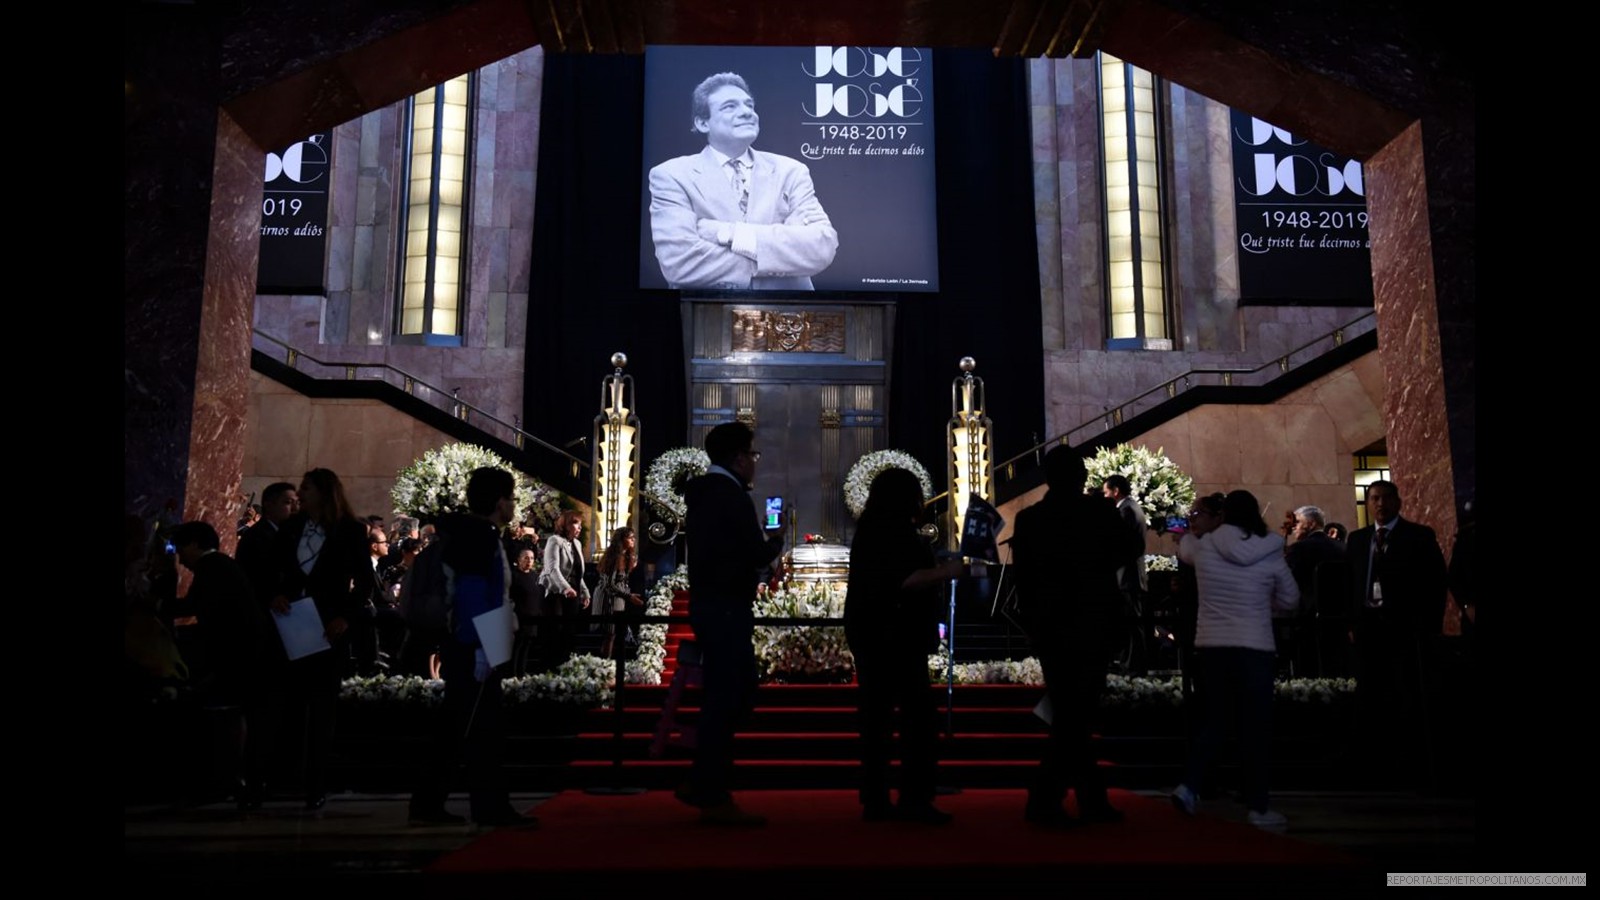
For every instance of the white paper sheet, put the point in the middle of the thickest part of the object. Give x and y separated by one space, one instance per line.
494 631
301 629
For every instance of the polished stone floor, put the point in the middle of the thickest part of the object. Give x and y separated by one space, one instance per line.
367 835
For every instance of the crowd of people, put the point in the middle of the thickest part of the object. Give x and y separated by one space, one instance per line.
316 594
261 641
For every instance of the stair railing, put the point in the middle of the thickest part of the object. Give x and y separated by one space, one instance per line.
449 401
1171 389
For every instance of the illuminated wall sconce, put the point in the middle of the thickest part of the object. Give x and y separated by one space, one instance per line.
971 447
616 454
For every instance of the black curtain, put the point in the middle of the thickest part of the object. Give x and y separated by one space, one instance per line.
585 303
987 306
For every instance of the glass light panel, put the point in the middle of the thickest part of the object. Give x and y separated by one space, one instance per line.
1131 133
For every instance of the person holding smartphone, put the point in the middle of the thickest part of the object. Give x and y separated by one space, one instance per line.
730 552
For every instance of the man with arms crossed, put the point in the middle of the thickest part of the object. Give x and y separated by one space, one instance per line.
732 217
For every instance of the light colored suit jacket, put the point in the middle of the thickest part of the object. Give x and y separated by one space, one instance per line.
793 238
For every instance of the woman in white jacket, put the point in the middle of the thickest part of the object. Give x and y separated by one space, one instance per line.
1242 578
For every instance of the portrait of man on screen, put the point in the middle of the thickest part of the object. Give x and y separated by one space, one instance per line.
731 216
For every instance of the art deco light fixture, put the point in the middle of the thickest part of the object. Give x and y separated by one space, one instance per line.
616 454
971 447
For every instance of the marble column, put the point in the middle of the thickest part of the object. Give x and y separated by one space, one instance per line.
1420 195
170 136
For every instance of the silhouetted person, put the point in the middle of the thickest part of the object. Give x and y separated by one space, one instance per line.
321 554
729 552
892 612
229 660
1398 594
470 722
1067 550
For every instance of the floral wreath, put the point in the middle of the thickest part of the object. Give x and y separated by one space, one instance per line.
664 481
436 483
859 479
1159 486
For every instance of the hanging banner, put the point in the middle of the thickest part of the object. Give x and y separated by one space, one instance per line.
1301 211
294 218
837 190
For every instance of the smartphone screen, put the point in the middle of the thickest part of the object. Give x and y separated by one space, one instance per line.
774 516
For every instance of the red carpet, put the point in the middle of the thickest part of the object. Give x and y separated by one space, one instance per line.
819 835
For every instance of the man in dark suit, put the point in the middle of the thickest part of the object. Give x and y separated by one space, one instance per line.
1317 562
1066 550
729 552
279 501
733 217
1130 577
1398 604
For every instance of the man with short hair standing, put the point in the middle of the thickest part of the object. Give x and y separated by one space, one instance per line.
729 552
1310 548
1398 594
1066 549
1131 578
279 501
475 563
1317 563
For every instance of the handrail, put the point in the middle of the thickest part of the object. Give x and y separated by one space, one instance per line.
1201 377
448 401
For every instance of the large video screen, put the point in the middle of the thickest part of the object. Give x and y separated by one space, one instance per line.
789 169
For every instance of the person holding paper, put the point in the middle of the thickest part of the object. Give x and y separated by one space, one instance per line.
320 564
481 625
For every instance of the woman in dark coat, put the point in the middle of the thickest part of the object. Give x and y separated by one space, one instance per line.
892 613
321 554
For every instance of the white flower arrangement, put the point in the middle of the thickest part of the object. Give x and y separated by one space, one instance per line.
789 650
664 480
544 508
651 658
1122 690
819 652
859 479
1155 562
407 689
587 680
583 680
994 671
1313 690
1159 486
436 483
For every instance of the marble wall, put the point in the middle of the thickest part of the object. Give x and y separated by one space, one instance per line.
354 322
1082 378
366 442
1297 453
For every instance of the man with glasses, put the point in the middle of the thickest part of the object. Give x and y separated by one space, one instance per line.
729 551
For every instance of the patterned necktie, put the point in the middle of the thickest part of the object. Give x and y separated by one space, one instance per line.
1380 537
741 184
